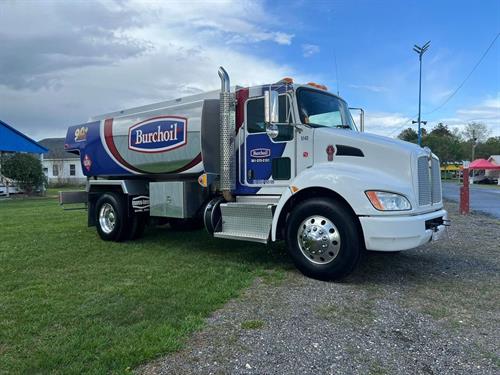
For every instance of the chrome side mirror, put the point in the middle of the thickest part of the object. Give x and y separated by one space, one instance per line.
272 130
271 107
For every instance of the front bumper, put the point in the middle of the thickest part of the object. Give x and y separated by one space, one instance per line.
394 233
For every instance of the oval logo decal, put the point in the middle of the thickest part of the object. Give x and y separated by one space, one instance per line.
260 153
158 134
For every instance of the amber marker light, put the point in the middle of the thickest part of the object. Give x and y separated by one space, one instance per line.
202 180
372 196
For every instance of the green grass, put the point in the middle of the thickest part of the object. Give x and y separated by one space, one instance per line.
71 303
252 324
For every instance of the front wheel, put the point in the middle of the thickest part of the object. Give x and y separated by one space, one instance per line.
323 239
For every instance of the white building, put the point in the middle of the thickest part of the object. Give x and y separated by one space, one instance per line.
494 174
60 166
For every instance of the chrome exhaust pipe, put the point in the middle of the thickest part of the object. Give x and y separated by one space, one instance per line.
227 130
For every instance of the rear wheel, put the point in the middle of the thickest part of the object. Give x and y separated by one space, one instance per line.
111 218
323 239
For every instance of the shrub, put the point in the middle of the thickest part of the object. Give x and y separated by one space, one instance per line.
26 170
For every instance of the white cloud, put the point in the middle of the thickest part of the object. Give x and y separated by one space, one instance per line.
486 112
388 124
132 53
310 49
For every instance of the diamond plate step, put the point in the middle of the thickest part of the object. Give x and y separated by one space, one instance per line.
246 221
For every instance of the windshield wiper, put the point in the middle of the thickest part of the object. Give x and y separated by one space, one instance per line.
343 126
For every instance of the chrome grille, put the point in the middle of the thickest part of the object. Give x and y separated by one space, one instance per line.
429 181
436 181
424 183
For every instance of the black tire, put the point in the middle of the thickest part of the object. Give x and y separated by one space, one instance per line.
345 251
119 230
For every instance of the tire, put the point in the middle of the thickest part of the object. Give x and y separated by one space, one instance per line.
111 218
323 239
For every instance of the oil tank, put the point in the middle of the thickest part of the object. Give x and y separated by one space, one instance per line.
163 139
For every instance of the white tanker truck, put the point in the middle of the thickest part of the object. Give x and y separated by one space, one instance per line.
266 163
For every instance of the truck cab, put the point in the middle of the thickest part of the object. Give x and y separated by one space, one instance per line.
274 162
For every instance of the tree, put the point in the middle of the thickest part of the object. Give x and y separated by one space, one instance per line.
488 148
26 170
476 130
443 143
441 130
410 135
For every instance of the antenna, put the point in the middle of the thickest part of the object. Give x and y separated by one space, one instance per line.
336 72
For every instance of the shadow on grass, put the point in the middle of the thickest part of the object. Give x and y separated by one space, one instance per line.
200 243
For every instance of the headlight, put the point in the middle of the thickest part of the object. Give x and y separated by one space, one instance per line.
385 201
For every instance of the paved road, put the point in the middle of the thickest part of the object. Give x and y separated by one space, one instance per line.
481 199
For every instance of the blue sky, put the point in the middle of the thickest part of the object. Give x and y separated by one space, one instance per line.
377 69
72 60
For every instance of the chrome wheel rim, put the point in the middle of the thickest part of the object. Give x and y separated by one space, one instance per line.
318 239
107 218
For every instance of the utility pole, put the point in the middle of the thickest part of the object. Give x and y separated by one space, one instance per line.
420 51
474 144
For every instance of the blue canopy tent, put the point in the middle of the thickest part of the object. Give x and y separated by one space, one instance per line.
12 140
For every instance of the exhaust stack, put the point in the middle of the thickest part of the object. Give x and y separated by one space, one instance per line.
227 129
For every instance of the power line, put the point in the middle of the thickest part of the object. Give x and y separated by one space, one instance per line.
404 124
456 90
466 78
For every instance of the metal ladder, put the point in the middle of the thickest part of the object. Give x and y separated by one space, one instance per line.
248 221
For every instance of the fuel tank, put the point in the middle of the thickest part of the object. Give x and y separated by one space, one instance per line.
158 139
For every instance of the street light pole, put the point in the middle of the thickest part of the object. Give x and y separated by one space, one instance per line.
420 51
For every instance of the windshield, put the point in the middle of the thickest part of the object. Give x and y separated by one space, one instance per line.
322 109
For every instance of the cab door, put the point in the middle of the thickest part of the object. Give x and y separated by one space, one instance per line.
268 162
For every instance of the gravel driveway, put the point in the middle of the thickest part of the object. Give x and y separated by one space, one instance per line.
434 310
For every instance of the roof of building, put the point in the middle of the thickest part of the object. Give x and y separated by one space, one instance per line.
12 140
495 159
56 149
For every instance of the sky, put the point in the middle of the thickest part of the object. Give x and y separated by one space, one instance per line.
62 62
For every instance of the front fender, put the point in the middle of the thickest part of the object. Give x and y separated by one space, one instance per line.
347 180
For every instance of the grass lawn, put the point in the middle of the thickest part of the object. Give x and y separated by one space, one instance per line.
71 303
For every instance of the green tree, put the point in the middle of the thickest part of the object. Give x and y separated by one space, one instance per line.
488 148
443 143
410 135
26 170
441 130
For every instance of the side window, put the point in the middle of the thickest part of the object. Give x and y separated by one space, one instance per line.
255 117
284 104
72 170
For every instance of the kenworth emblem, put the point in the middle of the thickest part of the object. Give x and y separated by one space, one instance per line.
260 153
158 134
